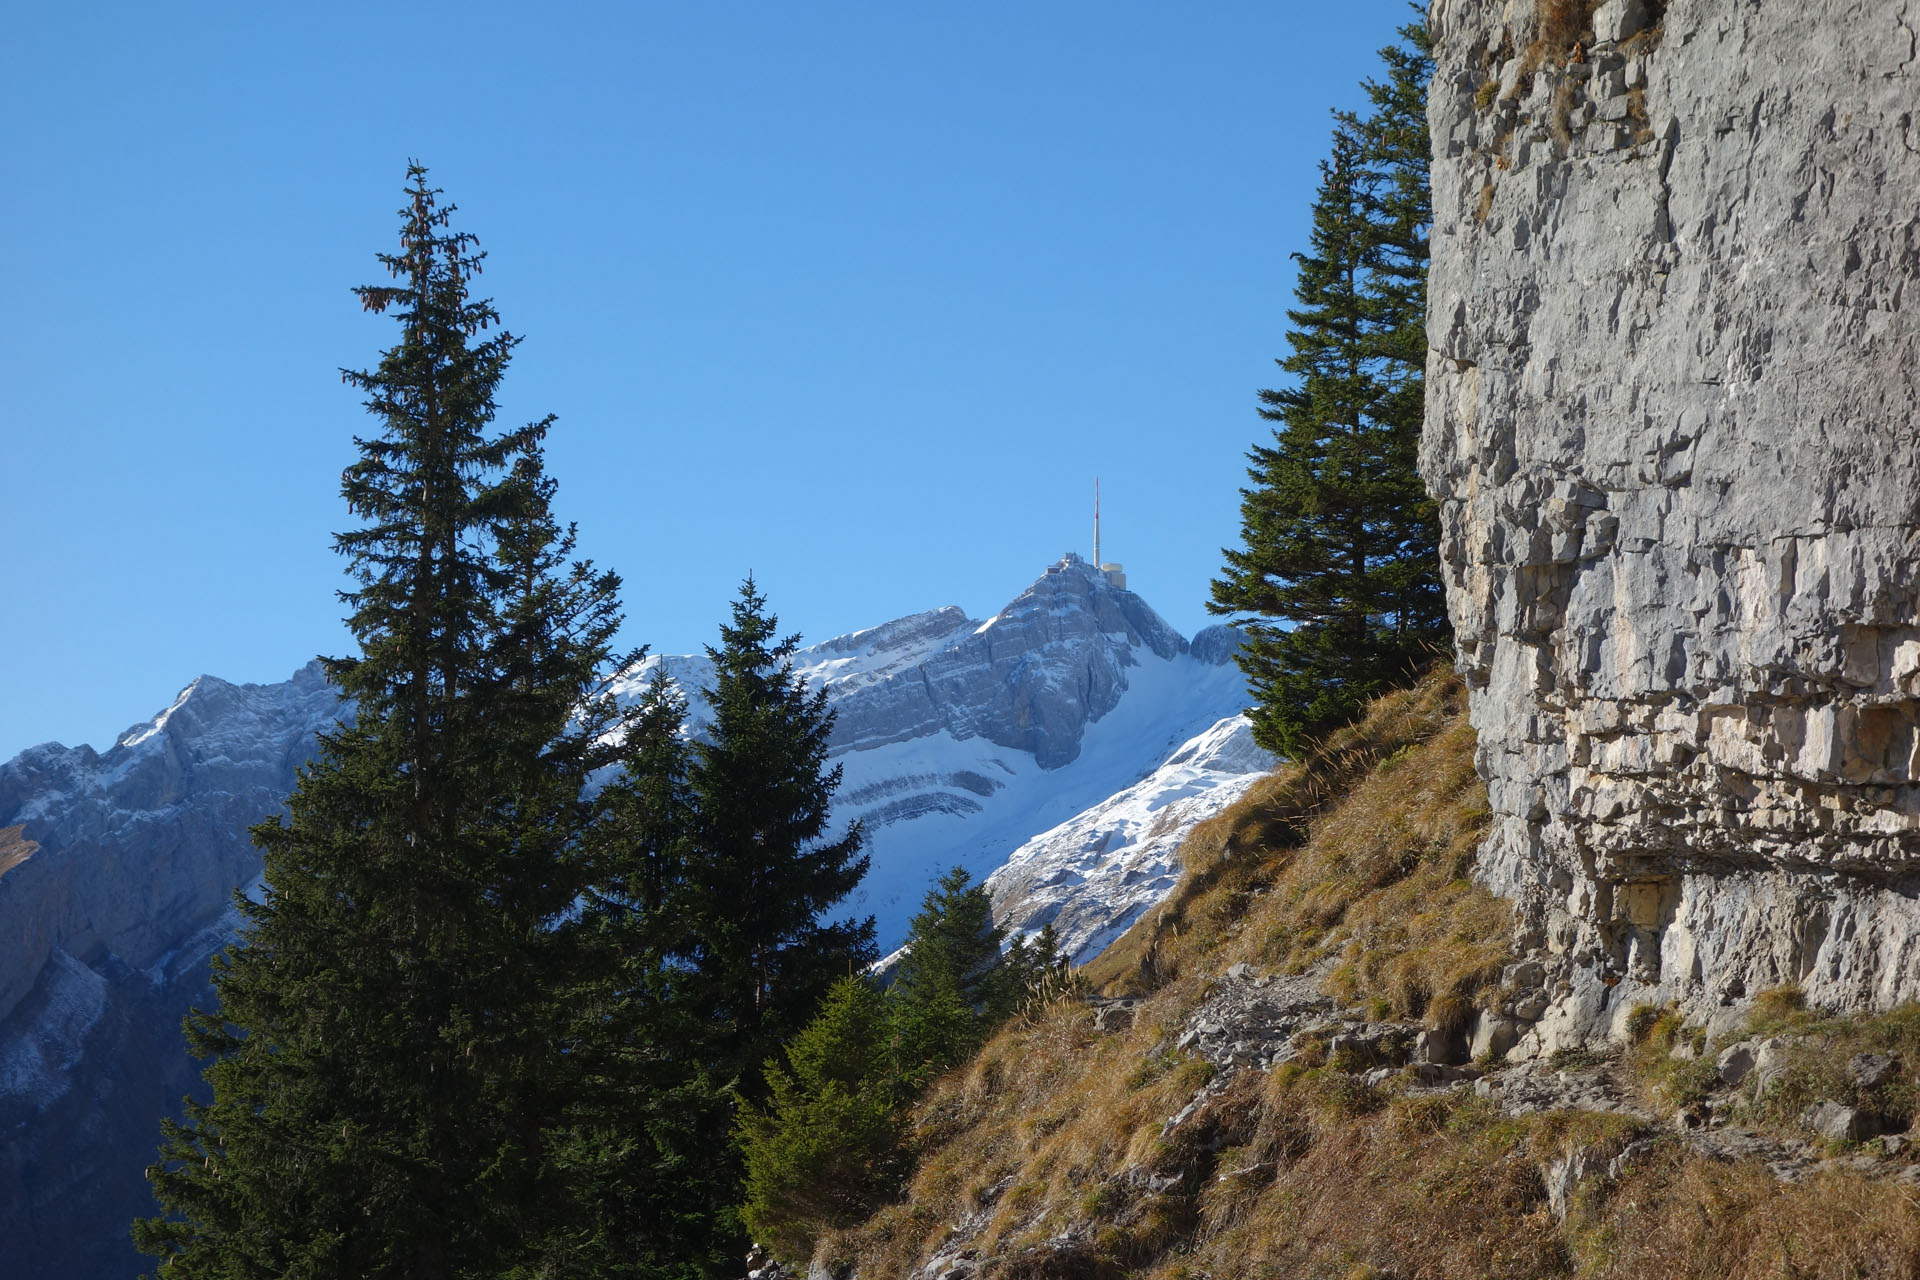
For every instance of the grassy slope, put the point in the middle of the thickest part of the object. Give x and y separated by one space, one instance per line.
1356 862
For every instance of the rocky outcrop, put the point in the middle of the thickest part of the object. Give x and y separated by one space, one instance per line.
1674 425
143 846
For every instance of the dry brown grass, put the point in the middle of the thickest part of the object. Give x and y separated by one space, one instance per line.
15 848
1565 23
1359 853
1357 858
1684 1216
1376 886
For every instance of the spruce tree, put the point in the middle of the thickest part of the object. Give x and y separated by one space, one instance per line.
761 870
953 985
1338 577
645 1139
828 1146
384 1076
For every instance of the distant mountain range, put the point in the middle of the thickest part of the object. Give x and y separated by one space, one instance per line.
1063 746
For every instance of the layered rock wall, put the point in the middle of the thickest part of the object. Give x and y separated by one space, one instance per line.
1674 424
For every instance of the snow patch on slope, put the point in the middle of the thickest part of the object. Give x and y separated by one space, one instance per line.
1169 707
1092 876
45 1036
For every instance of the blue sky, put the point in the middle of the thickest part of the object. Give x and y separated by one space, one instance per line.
860 297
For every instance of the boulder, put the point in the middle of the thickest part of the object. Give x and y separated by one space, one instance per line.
1871 1070
1494 1035
1735 1062
1837 1123
1620 20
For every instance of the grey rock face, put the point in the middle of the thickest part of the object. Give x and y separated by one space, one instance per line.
1673 420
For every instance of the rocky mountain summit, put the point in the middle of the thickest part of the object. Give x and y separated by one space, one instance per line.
1673 419
959 740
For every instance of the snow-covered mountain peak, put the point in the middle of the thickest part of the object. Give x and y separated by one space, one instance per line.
1030 679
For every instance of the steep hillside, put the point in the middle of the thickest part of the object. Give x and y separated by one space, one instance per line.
1277 1082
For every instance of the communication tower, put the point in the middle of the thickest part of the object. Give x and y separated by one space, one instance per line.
1113 573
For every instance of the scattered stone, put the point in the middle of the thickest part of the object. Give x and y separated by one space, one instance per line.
1837 1123
1529 1007
1434 1076
1871 1070
1114 1015
1241 972
1894 1143
1494 1036
1736 1062
762 1266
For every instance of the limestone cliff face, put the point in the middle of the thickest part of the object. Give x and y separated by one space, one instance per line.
1674 423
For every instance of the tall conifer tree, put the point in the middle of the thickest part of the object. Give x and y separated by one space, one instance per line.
382 1062
1339 571
645 1143
762 870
